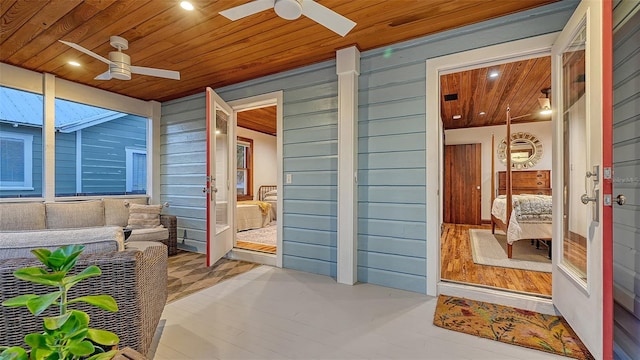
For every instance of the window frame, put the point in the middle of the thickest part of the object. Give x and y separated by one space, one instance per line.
129 168
248 143
27 150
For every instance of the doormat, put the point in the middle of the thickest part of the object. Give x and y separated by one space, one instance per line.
509 325
188 273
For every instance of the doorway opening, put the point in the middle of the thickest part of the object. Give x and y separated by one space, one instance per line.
473 109
258 227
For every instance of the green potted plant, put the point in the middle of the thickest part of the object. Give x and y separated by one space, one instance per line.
66 335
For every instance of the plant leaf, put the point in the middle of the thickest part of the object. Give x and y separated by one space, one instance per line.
34 275
105 302
82 318
82 348
103 337
86 273
20 300
41 303
56 322
104 356
14 353
64 256
37 341
42 254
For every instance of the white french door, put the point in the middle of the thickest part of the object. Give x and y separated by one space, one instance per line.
579 215
219 190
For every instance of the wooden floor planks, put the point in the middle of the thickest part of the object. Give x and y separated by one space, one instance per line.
458 265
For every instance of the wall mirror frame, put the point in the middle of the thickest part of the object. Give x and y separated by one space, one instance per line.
526 150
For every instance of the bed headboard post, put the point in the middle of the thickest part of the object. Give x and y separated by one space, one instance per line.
508 172
493 168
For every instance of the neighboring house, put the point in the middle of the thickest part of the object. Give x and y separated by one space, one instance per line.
97 151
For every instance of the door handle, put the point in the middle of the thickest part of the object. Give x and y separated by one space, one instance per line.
621 199
586 199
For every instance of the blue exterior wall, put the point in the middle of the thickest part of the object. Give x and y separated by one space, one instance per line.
391 150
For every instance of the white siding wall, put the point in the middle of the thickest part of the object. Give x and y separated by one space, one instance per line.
626 160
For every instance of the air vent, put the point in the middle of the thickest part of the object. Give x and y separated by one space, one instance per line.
450 97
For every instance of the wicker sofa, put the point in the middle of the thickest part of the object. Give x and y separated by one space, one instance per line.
135 277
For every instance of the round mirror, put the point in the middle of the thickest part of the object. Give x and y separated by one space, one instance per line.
526 150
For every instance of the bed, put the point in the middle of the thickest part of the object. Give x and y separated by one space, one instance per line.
523 207
269 194
252 215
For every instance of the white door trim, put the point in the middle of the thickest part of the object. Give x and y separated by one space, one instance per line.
255 102
482 57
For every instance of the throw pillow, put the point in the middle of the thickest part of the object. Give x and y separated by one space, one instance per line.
144 216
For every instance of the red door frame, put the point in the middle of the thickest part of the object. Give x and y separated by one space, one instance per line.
607 184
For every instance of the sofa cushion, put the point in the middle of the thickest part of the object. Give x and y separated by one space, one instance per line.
115 211
75 214
158 233
18 244
22 216
144 216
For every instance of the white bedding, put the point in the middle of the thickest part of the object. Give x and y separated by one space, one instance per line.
250 216
518 230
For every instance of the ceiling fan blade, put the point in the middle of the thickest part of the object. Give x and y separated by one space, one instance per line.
327 17
250 8
86 51
104 76
169 74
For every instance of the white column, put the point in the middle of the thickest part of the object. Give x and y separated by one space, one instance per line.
348 69
153 153
48 138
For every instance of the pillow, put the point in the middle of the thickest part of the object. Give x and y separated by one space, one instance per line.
271 193
116 211
270 198
144 216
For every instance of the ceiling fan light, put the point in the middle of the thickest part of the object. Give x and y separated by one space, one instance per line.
546 111
288 9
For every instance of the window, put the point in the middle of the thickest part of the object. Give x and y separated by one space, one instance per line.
99 151
16 154
244 166
136 171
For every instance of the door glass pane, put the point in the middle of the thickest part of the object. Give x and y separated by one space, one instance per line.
222 169
577 215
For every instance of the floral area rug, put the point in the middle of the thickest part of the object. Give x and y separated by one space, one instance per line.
509 325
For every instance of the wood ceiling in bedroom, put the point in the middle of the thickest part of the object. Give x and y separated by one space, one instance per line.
482 100
207 48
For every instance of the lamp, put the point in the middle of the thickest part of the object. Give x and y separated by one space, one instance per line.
544 102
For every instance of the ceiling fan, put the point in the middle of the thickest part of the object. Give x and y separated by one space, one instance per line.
291 10
120 63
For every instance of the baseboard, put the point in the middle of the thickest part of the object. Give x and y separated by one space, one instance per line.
485 221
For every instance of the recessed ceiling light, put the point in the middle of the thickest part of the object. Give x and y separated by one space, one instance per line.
456 117
493 74
74 63
186 5
482 113
546 111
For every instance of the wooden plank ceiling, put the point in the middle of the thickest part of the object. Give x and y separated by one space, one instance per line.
207 48
475 98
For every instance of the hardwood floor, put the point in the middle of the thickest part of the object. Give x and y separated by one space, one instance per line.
271 249
457 265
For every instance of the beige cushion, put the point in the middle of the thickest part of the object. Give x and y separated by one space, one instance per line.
115 211
22 216
144 216
158 233
75 214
